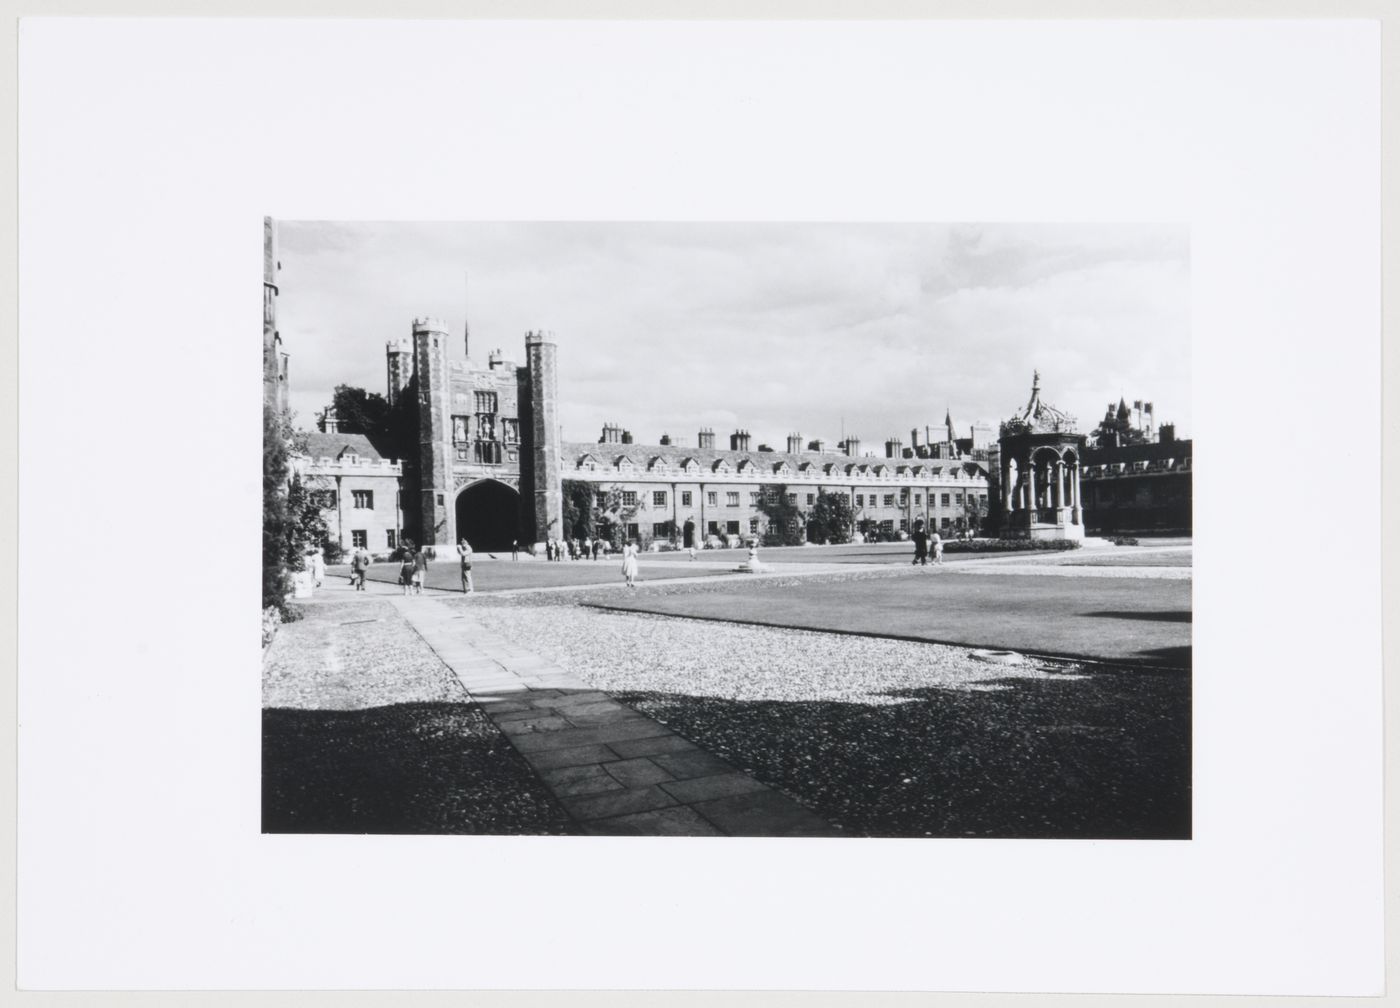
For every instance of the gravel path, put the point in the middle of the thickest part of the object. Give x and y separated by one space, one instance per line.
891 738
366 731
624 652
350 656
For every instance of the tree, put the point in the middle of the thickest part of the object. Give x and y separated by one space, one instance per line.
614 516
785 521
391 429
276 583
580 510
360 412
306 526
831 518
292 519
974 513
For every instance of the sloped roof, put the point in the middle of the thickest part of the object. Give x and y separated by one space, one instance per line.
319 445
763 462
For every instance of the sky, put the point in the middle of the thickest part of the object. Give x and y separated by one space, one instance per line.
819 329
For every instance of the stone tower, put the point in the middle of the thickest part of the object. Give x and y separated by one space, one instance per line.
435 511
398 358
274 360
548 500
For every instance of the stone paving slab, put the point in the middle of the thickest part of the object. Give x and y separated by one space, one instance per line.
691 763
613 803
616 771
580 756
762 813
676 820
568 782
652 746
699 789
637 773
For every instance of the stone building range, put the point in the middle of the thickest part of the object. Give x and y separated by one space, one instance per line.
491 460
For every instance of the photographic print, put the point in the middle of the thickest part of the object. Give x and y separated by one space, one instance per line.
735 477
752 529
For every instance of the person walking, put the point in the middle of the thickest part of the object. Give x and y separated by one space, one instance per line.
464 550
359 566
597 548
920 538
420 570
629 565
316 564
515 549
937 547
406 572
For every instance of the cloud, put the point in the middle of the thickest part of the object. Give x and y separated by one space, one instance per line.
871 328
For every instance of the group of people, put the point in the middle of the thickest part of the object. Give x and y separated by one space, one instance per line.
413 565
413 569
928 545
574 549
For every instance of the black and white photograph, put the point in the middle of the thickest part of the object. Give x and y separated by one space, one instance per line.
716 507
764 530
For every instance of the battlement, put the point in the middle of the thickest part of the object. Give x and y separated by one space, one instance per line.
385 467
429 324
402 345
539 336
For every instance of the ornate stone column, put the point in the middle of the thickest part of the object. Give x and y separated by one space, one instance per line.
1030 489
1059 484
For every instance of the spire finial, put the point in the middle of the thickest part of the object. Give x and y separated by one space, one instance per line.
1035 380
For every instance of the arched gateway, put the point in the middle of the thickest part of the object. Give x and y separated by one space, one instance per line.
488 515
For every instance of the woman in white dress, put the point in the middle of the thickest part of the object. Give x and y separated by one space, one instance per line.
629 565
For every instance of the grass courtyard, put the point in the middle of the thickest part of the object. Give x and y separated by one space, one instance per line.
852 689
1131 621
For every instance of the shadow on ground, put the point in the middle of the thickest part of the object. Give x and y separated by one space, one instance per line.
1104 756
405 768
1165 616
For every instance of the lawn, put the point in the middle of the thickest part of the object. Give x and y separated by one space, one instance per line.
1128 557
1124 620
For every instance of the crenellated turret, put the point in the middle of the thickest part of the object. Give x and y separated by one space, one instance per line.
398 364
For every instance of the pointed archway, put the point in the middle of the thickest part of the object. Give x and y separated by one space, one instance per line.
488 515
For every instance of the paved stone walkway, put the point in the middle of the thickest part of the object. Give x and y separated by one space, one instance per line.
616 771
